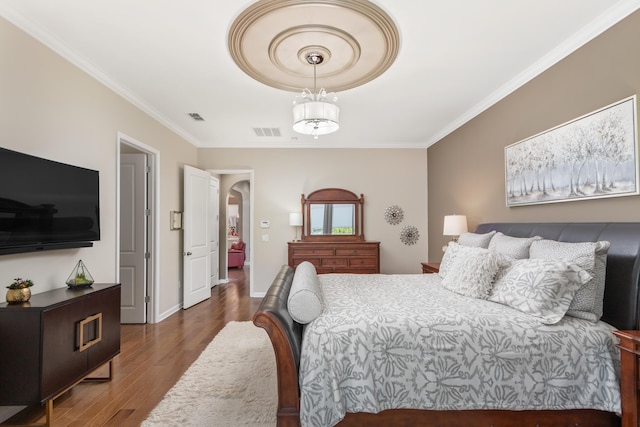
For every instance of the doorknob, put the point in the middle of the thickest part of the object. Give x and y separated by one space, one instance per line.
186 253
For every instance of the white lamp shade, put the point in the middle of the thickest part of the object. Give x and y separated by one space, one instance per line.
316 118
295 219
454 225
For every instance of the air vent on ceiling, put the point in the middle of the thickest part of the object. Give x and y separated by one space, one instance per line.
196 116
267 131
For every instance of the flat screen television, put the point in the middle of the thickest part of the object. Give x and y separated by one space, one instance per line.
46 205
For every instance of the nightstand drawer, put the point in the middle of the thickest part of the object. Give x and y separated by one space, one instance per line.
430 267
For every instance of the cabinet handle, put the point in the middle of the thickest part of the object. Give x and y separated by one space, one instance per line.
82 345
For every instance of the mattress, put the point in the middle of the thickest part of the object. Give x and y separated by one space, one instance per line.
404 341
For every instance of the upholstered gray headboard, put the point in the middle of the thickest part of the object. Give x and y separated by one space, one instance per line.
623 260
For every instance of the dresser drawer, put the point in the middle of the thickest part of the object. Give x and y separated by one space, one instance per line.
357 251
317 262
334 262
337 257
313 251
363 262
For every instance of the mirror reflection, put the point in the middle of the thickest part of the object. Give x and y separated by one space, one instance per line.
332 219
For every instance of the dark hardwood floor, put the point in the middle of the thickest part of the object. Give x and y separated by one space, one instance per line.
152 359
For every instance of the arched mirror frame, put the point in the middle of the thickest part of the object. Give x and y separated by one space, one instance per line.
332 196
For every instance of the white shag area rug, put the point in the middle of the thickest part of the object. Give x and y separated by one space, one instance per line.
232 383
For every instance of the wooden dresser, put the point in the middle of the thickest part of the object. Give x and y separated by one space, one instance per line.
55 340
332 234
351 257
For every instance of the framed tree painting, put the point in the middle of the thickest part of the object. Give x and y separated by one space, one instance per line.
590 157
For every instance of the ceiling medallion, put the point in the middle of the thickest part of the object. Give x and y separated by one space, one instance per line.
356 38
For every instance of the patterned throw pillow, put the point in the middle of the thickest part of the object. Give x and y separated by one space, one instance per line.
592 257
475 239
472 271
449 255
539 287
513 247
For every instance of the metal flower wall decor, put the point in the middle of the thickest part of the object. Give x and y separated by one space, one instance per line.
394 215
409 235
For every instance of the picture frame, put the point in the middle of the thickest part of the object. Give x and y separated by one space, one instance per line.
593 156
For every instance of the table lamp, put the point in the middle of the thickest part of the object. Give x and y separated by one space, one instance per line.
295 220
454 226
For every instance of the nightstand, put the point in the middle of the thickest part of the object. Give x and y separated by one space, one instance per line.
629 380
430 267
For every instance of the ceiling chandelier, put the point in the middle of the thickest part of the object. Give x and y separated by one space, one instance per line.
315 113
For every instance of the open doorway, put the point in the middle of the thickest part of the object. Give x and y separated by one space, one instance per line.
236 217
137 229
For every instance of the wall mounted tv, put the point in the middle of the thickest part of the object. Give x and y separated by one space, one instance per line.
46 205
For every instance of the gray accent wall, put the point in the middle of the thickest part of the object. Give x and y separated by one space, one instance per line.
466 168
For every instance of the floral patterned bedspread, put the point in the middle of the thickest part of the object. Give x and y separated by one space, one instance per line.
404 341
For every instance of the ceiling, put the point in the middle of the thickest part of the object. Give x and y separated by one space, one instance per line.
456 58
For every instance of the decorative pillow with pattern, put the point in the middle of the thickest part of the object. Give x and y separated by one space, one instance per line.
475 239
592 257
447 259
472 271
305 301
513 247
542 288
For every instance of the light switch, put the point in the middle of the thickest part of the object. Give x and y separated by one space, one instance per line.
264 224
265 237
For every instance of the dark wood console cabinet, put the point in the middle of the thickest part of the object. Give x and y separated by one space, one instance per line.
360 257
55 340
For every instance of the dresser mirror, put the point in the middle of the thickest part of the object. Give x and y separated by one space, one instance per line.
332 214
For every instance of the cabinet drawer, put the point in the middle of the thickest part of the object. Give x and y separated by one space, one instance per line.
363 262
334 262
356 270
315 261
313 251
356 251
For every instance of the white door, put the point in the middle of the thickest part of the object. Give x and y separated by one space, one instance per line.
214 198
196 264
133 237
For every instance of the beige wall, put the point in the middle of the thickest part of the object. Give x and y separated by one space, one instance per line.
281 176
51 109
466 169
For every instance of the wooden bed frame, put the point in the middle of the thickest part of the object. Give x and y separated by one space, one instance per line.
620 310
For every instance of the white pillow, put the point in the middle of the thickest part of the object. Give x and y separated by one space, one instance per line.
475 239
513 247
539 287
472 271
592 257
449 256
305 301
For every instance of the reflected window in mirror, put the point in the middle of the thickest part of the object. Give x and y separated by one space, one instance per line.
332 219
332 215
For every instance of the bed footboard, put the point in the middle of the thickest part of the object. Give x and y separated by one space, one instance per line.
286 338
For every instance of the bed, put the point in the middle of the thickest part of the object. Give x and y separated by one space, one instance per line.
620 310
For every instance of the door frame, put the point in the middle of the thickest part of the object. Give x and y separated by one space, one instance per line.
153 157
251 219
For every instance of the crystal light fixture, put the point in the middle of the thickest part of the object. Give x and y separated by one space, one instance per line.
315 113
